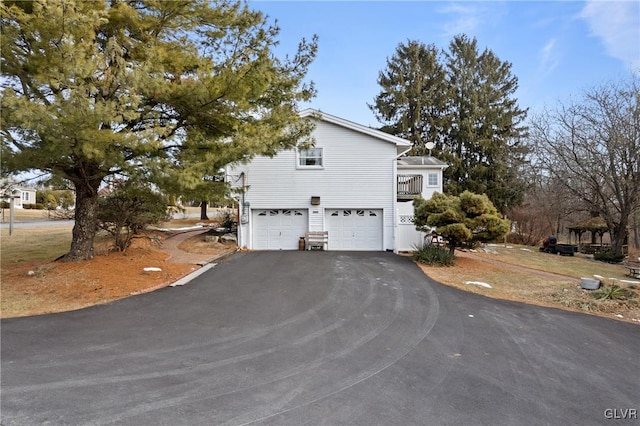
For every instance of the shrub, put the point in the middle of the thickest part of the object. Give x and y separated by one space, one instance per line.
434 255
5 204
228 219
612 292
31 206
128 210
608 256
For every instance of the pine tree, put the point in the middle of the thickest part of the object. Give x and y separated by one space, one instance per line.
483 142
167 91
461 100
412 102
464 219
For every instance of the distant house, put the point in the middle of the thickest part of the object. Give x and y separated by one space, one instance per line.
22 194
356 184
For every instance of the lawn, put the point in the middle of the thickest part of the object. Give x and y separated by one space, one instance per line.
523 274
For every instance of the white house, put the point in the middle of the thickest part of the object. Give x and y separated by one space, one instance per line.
355 183
21 194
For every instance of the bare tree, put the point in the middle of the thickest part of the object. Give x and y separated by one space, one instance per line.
591 146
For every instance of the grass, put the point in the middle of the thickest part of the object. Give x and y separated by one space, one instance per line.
50 242
523 274
24 215
33 244
575 266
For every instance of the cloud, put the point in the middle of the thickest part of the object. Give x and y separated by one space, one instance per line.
617 24
548 57
469 17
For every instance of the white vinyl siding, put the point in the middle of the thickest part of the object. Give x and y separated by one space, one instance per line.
357 172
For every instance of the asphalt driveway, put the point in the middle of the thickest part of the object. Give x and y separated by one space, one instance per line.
310 338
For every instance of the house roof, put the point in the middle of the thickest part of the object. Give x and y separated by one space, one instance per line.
313 113
421 161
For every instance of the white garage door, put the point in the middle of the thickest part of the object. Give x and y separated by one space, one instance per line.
278 229
354 229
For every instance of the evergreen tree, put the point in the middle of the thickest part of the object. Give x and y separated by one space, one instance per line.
462 219
167 91
483 144
412 102
465 105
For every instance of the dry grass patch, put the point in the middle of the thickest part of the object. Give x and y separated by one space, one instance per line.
34 244
540 279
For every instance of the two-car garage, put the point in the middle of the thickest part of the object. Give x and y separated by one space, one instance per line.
349 229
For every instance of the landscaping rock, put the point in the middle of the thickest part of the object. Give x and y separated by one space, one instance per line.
211 238
229 239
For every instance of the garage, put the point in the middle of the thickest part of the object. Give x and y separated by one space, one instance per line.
354 229
278 229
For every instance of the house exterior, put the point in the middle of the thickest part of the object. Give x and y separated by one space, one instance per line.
347 185
21 194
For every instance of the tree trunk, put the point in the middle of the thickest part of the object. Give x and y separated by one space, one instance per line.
618 236
636 234
86 223
203 211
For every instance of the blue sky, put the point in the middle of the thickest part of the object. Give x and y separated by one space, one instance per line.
556 48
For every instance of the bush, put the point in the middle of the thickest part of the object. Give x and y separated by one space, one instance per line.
609 257
228 219
434 255
129 210
612 292
5 204
31 206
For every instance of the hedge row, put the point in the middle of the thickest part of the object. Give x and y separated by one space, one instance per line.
36 206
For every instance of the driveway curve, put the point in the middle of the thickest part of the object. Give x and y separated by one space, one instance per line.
308 338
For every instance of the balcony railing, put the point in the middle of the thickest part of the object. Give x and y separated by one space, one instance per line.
409 186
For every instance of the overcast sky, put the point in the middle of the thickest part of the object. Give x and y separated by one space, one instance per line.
556 48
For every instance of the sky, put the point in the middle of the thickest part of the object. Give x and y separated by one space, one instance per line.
558 49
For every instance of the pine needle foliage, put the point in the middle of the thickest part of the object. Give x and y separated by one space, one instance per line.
162 91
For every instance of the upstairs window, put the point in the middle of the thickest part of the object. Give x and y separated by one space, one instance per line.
432 179
310 158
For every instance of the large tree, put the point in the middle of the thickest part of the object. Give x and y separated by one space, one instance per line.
413 99
463 101
145 88
591 146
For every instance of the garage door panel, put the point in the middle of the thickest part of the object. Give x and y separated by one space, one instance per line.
354 229
278 229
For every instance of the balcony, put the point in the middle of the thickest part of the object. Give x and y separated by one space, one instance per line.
409 186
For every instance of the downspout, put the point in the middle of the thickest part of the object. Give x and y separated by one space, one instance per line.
395 198
241 209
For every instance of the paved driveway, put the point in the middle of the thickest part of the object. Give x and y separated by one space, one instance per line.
309 338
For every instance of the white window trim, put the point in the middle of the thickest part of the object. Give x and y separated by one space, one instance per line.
300 166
